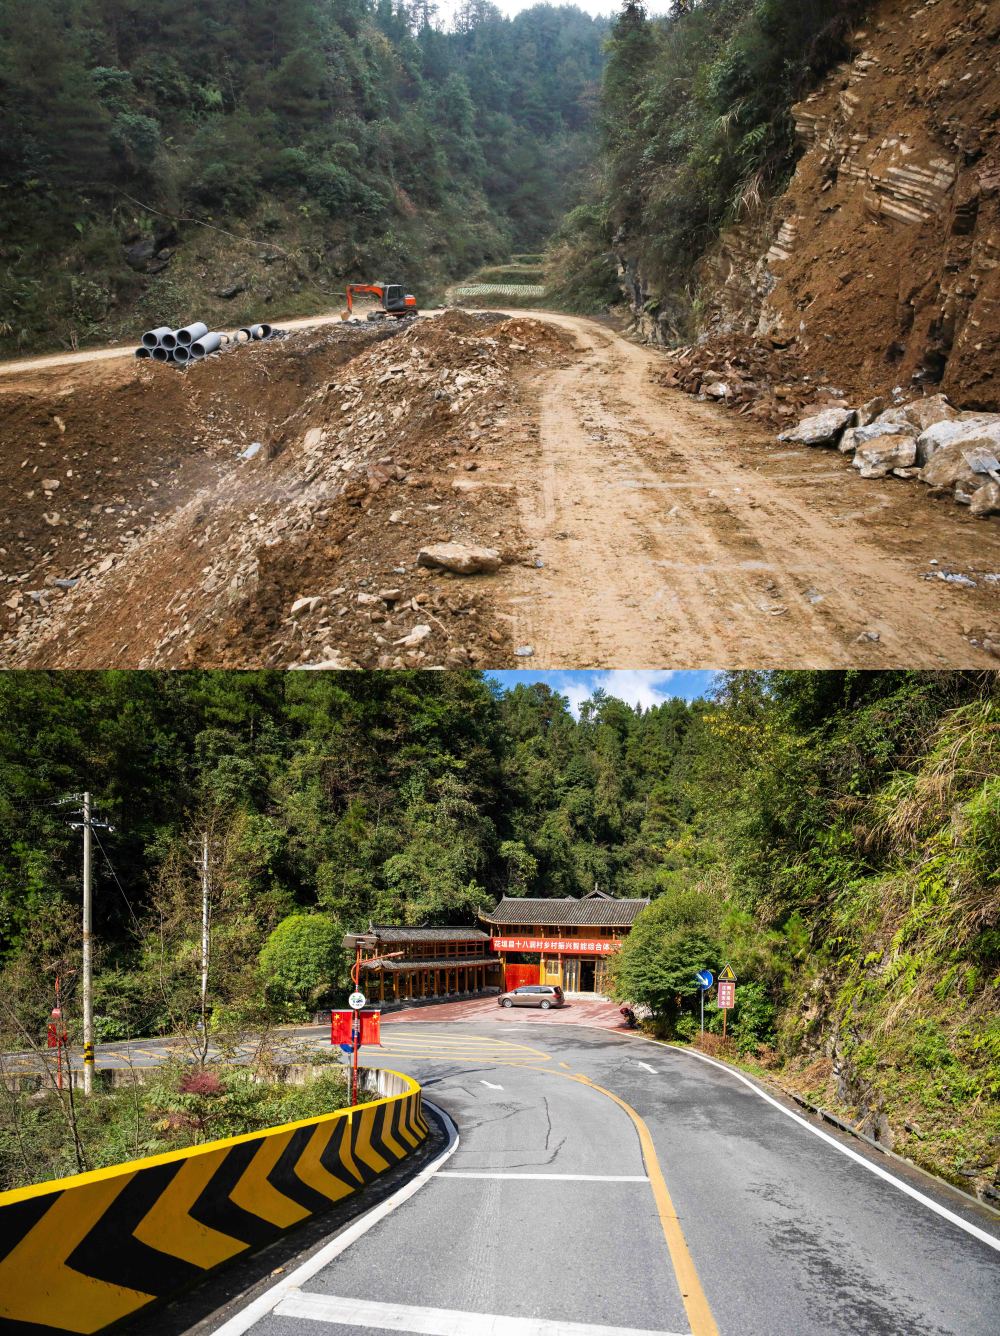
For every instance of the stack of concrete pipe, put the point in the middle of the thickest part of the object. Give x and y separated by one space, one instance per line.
193 342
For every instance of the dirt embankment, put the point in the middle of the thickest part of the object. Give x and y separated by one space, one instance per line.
879 267
136 533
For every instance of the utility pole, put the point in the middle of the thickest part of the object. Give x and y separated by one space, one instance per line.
88 953
204 928
87 825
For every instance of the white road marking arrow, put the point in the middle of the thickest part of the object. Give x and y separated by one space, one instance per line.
491 1085
647 1067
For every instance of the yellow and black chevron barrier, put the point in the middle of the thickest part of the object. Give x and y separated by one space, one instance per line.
83 1253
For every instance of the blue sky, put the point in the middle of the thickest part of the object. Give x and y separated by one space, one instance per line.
631 685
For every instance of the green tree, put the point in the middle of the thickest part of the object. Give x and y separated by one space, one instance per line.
303 959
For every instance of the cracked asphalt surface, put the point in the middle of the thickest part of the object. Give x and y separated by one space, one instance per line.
786 1234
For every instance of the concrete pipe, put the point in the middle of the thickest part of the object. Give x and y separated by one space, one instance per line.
262 331
143 352
154 336
182 355
243 335
162 354
187 335
208 343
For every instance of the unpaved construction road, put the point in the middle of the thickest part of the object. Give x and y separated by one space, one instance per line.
639 527
674 533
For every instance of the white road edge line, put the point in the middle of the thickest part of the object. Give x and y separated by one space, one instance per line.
438 1321
558 1178
266 1302
989 1239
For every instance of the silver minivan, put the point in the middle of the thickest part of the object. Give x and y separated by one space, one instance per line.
533 995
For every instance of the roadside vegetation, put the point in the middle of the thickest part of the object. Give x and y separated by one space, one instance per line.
853 879
835 836
45 1135
696 135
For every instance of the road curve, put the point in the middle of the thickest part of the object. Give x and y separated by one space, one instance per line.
546 1221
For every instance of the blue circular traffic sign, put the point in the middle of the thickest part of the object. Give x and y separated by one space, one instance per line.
705 978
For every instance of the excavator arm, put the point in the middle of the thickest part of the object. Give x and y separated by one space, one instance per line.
357 288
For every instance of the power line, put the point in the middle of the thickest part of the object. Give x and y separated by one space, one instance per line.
114 874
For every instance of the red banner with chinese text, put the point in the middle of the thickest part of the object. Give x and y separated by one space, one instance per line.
566 946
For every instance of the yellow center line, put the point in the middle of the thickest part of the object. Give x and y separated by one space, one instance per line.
695 1303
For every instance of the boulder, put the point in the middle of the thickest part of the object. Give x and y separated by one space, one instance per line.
948 467
869 412
986 499
460 558
820 429
876 458
924 413
856 436
981 429
892 417
303 606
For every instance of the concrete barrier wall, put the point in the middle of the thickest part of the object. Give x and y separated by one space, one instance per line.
80 1254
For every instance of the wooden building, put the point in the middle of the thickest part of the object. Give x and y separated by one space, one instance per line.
406 964
566 941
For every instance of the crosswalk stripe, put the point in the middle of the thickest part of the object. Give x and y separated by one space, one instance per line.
438 1321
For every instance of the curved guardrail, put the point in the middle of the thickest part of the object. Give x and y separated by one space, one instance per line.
80 1254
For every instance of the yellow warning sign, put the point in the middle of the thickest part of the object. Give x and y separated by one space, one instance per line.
727 975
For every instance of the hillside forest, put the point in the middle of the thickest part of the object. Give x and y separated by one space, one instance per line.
174 156
161 157
833 835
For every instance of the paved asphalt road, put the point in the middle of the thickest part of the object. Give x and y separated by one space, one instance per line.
551 1212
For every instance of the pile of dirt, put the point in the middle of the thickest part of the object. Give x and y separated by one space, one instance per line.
269 506
759 378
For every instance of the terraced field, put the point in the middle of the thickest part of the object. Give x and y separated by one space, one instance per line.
519 283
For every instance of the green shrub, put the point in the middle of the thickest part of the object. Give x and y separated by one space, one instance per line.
302 960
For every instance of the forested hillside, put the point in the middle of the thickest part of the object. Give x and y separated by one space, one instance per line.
696 133
165 157
835 835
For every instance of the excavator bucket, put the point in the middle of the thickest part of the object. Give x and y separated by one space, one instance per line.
345 314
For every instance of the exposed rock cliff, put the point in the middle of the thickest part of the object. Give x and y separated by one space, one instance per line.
880 264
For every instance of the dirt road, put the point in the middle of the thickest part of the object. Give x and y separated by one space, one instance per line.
673 533
640 527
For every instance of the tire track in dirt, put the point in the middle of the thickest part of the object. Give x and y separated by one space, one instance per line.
673 533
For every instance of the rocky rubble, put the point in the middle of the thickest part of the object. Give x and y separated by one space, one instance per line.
344 542
904 440
954 453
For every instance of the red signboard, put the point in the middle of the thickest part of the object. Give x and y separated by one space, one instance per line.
341 1022
565 946
727 995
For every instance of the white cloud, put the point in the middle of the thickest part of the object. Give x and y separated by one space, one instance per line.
635 687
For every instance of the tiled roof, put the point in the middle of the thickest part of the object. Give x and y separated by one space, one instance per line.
590 912
391 934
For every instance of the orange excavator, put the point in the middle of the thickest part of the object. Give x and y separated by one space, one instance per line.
392 300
